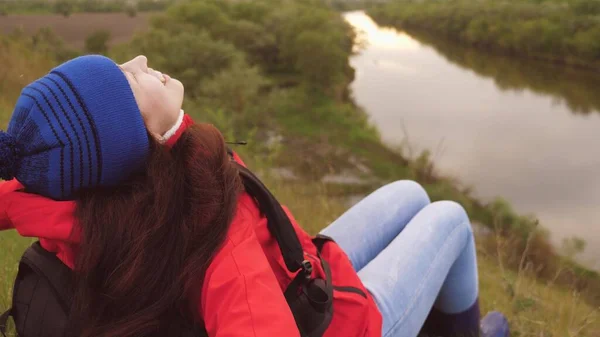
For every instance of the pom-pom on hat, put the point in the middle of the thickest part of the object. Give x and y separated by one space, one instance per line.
77 127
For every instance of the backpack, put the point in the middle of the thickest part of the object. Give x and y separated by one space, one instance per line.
42 290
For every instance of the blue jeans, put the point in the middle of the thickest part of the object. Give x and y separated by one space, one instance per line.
410 254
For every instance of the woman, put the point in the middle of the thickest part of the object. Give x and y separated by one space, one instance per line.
150 212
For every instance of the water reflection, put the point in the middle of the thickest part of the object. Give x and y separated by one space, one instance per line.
518 129
576 88
379 37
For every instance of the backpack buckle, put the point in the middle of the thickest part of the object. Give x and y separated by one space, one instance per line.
307 269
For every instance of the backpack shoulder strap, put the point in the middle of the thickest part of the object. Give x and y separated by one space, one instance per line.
46 264
310 300
41 294
278 222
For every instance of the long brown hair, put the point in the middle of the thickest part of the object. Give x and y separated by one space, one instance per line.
146 244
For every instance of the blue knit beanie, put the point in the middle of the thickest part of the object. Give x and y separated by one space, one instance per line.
77 127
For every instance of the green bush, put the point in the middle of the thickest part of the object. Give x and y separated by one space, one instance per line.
68 7
131 11
552 30
192 57
97 42
64 7
101 6
565 31
267 68
586 7
153 5
261 67
26 6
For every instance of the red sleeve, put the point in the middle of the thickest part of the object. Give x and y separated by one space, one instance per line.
7 187
241 296
35 216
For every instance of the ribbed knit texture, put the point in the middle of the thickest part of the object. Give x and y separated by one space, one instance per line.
77 127
9 154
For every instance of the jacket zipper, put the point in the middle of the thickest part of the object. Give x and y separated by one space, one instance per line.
350 290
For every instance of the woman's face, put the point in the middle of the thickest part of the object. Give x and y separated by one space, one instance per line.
158 96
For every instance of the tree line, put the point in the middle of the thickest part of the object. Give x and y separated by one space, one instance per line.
68 7
562 31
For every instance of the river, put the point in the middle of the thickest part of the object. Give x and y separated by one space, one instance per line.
522 130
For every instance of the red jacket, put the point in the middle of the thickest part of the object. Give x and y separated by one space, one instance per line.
242 294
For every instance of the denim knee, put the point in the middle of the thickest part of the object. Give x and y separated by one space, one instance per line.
455 214
403 188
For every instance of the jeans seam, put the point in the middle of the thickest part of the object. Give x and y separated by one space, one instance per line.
420 288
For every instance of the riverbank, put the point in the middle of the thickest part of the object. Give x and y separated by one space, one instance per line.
575 88
565 32
533 308
507 128
278 77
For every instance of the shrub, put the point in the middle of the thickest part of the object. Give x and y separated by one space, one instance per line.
153 5
64 7
131 11
557 31
586 7
102 6
96 43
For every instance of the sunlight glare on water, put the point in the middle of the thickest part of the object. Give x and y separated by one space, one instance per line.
371 34
519 129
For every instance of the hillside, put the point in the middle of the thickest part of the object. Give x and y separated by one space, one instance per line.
277 75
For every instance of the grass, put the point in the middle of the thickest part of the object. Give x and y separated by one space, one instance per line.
13 247
331 136
534 308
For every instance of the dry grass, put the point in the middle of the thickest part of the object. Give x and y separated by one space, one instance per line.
76 28
535 309
17 72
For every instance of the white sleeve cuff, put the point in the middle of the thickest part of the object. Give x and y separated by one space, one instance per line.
173 129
